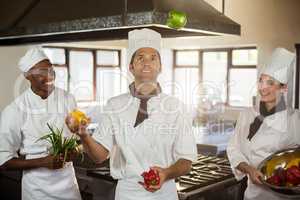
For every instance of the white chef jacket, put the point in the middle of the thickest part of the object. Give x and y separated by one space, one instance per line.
277 132
23 122
160 140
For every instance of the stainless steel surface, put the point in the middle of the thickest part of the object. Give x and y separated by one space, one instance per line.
280 159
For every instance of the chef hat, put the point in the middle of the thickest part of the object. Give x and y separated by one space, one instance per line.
32 57
140 38
280 64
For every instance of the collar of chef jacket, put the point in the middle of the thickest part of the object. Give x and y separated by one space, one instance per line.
278 121
142 113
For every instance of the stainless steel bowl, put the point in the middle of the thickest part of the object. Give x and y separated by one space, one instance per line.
280 159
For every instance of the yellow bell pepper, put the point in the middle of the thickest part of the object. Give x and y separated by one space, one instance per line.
79 116
294 162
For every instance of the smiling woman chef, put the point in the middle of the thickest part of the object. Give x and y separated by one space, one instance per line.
25 120
143 129
263 131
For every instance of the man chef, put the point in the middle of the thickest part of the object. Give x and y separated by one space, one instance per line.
143 128
25 120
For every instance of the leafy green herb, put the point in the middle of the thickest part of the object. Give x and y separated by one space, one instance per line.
60 144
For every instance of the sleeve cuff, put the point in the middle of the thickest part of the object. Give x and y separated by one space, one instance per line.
238 174
104 143
6 156
190 157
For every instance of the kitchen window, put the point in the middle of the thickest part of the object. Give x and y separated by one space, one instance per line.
242 76
186 76
91 75
108 75
58 58
213 76
81 72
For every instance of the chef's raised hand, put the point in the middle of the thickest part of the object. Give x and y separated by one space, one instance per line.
71 123
79 129
82 131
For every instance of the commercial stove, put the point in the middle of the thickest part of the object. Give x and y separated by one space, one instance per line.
210 178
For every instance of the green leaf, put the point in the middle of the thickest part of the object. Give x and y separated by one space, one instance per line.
59 144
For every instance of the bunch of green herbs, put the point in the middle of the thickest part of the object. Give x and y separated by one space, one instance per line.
61 145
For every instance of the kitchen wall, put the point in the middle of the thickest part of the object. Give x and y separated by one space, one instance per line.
10 76
265 24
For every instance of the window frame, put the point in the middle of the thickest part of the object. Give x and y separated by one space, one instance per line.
66 65
106 67
95 65
230 65
186 66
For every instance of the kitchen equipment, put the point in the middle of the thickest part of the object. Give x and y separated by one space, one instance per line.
274 161
210 178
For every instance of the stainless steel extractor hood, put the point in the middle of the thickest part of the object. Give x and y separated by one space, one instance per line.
34 21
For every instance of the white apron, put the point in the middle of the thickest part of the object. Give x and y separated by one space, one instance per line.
44 183
49 184
162 139
140 152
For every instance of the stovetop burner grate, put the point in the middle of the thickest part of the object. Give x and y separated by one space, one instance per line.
205 171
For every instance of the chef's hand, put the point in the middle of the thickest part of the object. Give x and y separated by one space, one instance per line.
79 129
72 156
53 162
71 124
255 175
162 173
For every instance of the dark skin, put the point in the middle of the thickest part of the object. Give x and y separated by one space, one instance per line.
41 77
145 68
50 162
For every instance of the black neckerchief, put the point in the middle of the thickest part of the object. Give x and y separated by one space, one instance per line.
255 125
142 112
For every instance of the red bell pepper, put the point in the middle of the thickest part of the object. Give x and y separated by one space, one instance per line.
274 180
293 175
151 178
